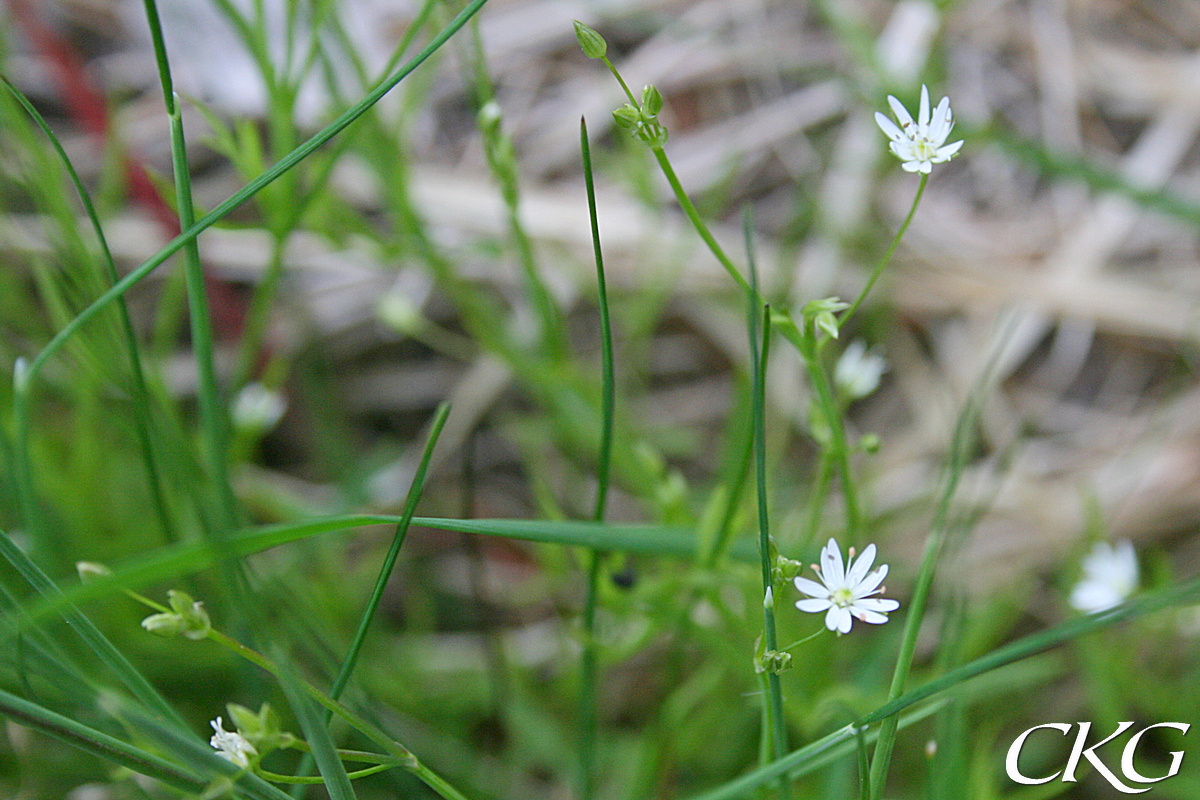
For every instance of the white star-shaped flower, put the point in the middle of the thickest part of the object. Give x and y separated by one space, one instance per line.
231 745
1110 574
858 371
846 594
922 143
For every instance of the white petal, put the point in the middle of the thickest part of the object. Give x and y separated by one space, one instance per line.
813 606
947 152
833 574
871 582
939 126
860 566
1091 598
811 588
923 117
871 617
888 127
838 619
916 166
900 111
877 604
903 150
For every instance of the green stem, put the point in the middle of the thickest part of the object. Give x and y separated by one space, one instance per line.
589 666
692 214
212 419
620 80
887 256
298 779
759 353
212 411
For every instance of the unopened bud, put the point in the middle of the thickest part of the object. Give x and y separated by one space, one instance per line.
591 43
627 116
652 101
187 617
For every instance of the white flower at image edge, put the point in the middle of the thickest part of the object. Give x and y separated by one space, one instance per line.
846 594
1110 574
920 144
231 745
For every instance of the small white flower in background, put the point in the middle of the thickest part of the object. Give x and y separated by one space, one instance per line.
858 371
922 143
846 594
1110 574
257 408
400 313
231 745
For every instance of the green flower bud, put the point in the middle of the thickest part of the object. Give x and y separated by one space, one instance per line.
628 117
591 43
652 101
262 730
166 625
187 617
775 661
821 313
786 568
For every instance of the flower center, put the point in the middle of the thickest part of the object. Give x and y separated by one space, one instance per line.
924 148
842 597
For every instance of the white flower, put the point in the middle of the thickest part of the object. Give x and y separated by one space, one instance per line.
231 745
858 371
920 144
846 593
258 408
1110 574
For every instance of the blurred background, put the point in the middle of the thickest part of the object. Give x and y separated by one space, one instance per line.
1060 249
